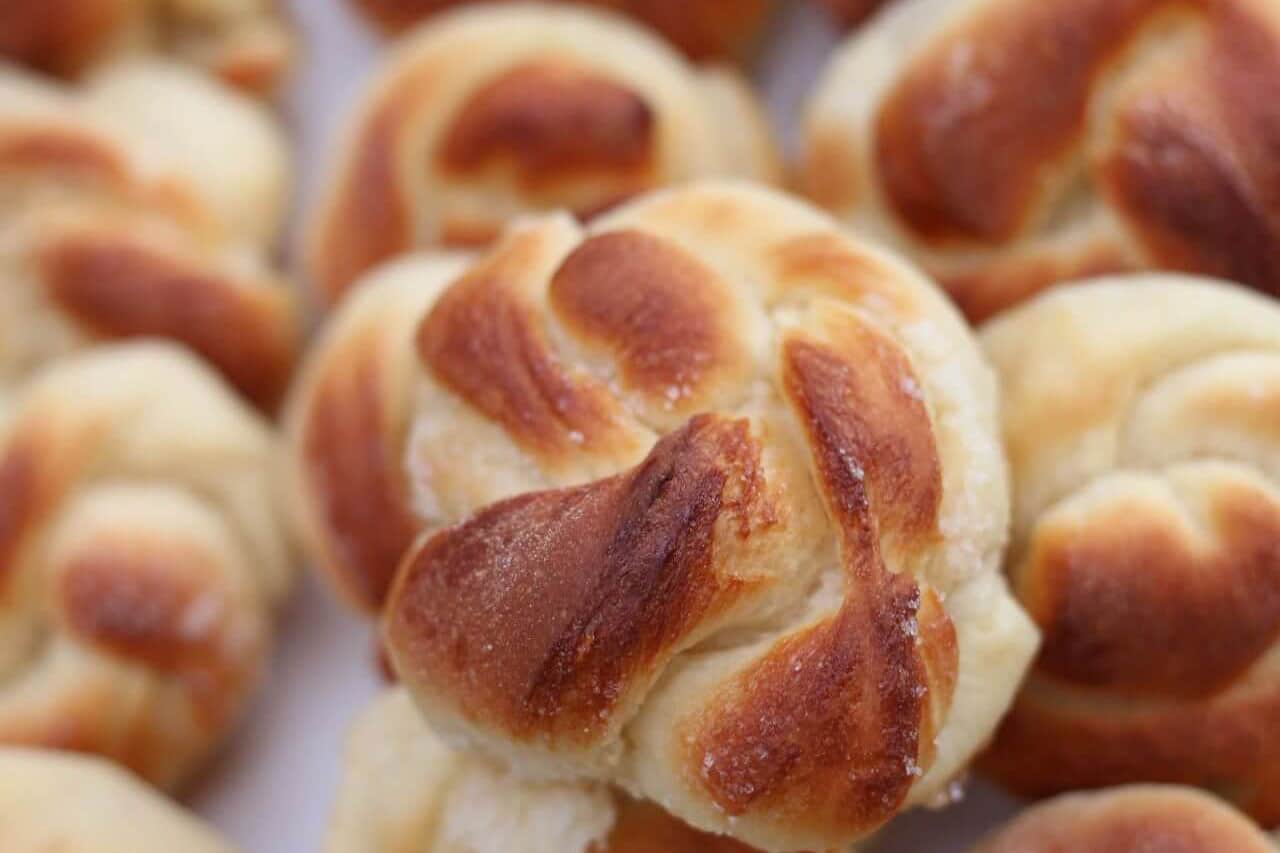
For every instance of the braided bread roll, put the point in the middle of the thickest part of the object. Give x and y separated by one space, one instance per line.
1010 144
404 791
1144 453
122 215
701 29
69 804
717 508
1136 819
141 553
488 113
245 43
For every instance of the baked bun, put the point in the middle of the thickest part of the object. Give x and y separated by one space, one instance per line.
404 791
714 507
125 214
1136 819
142 552
1010 144
701 29
1139 418
70 804
484 114
245 43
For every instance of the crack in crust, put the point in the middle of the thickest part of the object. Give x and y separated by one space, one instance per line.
1155 151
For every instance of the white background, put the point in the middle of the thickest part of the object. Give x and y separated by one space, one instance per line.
272 789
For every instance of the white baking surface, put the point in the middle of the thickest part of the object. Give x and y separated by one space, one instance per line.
272 789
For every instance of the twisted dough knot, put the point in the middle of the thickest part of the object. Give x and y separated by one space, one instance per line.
1145 453
727 500
1124 820
1156 148
404 791
123 216
487 114
51 801
141 552
701 29
245 43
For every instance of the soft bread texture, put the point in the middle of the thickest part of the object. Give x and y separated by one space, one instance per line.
1136 819
142 550
1010 144
701 29
142 205
713 506
1140 423
484 114
245 43
55 802
404 791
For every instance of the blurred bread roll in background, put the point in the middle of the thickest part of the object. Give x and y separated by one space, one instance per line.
143 204
245 43
712 507
405 791
143 552
1135 819
701 29
488 113
1140 422
1006 145
69 804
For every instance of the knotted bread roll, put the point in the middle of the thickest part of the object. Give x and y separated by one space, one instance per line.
715 501
69 804
246 43
1140 423
1010 144
141 553
142 206
484 114
701 29
404 791
1136 819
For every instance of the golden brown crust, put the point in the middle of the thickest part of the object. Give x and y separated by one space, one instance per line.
620 574
833 722
689 515
1128 820
550 122
1150 154
140 594
116 288
245 44
702 29
1144 546
356 478
655 307
849 13
570 109
56 36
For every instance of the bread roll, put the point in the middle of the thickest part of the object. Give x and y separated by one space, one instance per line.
142 205
245 43
1010 144
1136 819
713 508
404 791
55 802
1139 418
488 113
701 29
141 555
